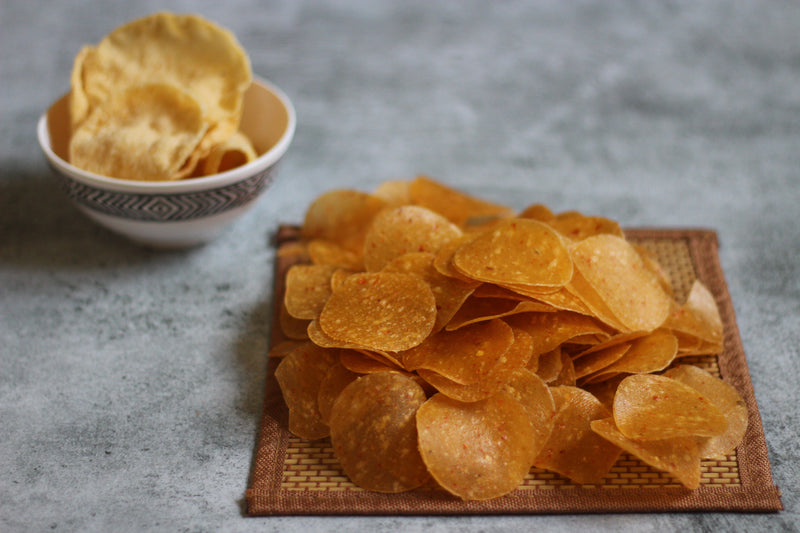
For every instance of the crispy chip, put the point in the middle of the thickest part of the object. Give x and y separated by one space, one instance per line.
235 151
551 330
405 229
341 216
652 407
536 398
374 432
480 309
387 311
454 205
577 226
573 449
299 375
679 455
726 398
185 51
308 288
515 358
146 132
323 252
478 450
450 293
651 353
698 318
336 379
516 251
465 355
613 268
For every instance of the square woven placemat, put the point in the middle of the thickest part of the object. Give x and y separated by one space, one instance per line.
291 476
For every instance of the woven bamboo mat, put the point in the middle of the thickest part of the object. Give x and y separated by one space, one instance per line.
291 476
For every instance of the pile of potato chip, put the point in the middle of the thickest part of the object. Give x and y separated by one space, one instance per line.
160 98
439 338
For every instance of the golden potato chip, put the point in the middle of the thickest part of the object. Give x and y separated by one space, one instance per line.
284 348
548 364
374 432
465 355
551 330
387 311
599 360
535 396
651 353
78 100
186 51
516 251
144 133
577 226
324 252
698 317
235 151
293 328
405 229
478 450
567 374
454 205
515 358
394 192
443 259
299 375
336 379
364 362
475 310
538 212
678 456
341 216
650 261
652 407
308 288
726 398
613 268
450 293
573 449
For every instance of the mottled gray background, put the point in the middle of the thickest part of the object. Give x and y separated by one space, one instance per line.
131 380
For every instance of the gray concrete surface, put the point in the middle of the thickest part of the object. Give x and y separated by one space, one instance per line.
131 380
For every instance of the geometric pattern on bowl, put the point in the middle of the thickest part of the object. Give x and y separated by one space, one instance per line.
169 207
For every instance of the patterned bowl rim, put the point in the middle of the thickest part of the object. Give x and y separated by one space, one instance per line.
265 160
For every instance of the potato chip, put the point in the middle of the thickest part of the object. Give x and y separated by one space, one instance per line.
465 355
651 353
613 268
577 226
652 407
515 358
308 288
567 374
387 311
284 348
186 51
341 216
364 362
394 192
679 455
293 328
726 398
323 252
299 375
551 330
374 432
517 251
454 205
538 212
144 133
233 152
548 364
573 449
450 293
535 396
475 310
698 318
336 379
599 360
405 229
478 450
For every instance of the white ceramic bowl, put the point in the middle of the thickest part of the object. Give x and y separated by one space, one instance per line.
179 213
